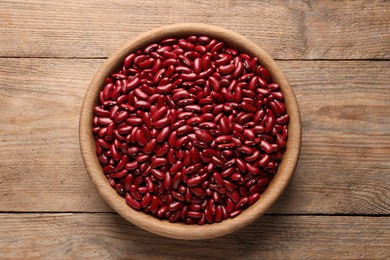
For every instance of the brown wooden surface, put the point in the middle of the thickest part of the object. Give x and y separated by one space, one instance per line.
108 236
48 56
287 29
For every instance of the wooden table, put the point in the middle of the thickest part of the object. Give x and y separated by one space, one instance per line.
336 55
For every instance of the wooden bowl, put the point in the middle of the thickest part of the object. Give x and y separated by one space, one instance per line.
180 230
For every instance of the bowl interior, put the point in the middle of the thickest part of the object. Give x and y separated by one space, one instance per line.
180 230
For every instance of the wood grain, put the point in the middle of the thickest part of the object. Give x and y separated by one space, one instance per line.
287 29
343 168
108 236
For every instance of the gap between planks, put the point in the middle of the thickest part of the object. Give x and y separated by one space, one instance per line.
266 214
105 57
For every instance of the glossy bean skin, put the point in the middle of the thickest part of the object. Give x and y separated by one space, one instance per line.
190 130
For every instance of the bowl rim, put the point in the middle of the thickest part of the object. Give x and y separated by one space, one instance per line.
180 230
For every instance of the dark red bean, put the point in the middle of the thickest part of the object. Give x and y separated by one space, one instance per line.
162 210
266 146
214 84
181 94
132 202
140 138
187 158
159 114
194 155
228 172
194 181
197 191
246 150
193 168
188 46
184 130
178 166
178 124
196 120
134 83
161 123
166 89
177 178
157 162
203 136
253 198
181 142
167 181
174 206
194 214
280 141
253 157
252 169
217 161
284 119
218 214
225 125
150 146
163 135
146 200
227 69
208 125
131 166
155 204
235 213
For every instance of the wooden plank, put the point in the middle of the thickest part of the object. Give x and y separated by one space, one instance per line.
287 29
108 236
343 168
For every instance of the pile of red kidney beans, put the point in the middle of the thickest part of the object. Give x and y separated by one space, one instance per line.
190 130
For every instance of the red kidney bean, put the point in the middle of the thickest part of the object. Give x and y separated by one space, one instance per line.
167 181
217 161
183 130
193 168
246 150
253 198
252 169
197 191
181 142
194 214
177 178
146 200
187 158
284 119
181 94
157 162
131 166
178 124
225 125
266 146
194 181
150 146
253 157
228 172
280 141
161 123
196 120
164 133
203 136
132 202
277 95
155 204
